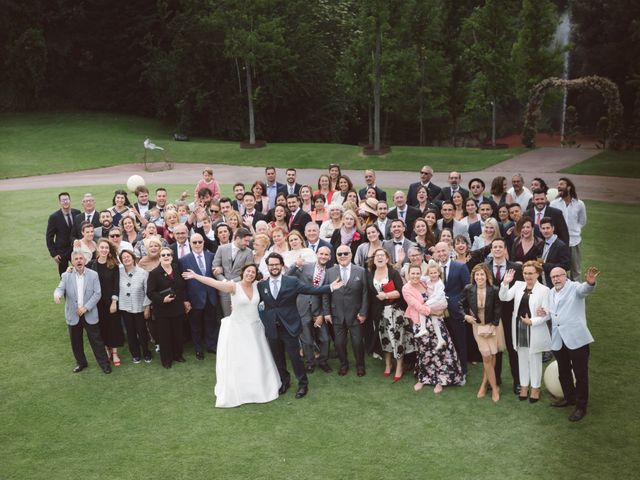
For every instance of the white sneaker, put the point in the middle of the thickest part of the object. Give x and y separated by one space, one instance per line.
376 356
421 333
464 381
157 347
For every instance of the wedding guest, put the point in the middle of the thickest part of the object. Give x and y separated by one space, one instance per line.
530 333
423 202
416 259
80 287
481 309
207 181
297 250
262 200
373 241
134 306
165 289
280 215
490 232
306 199
324 188
59 234
121 206
334 176
151 260
106 265
86 244
129 230
570 337
436 359
423 237
279 238
319 214
471 213
458 206
525 245
499 191
344 186
386 308
348 233
431 216
261 243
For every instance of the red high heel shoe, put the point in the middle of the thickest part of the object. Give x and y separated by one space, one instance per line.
396 378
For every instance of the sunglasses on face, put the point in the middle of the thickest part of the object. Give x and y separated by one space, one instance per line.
114 235
343 254
196 242
166 255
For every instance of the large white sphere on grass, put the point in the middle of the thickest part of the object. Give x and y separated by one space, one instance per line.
134 182
552 193
552 380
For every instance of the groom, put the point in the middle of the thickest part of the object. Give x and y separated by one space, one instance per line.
282 324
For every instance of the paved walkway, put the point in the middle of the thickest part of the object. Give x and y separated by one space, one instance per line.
543 162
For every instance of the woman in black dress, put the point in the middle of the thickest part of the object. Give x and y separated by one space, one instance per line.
106 264
165 289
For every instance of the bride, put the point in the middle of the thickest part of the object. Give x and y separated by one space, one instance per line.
245 370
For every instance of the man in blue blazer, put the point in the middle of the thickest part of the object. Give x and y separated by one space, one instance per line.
80 287
282 324
201 300
456 277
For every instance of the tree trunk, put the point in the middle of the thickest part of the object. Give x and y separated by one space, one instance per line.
376 88
370 115
421 99
252 123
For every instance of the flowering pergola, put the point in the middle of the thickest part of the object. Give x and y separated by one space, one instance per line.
606 87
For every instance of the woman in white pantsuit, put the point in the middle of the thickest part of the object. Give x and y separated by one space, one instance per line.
529 329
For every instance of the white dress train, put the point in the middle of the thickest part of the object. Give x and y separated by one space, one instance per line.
245 369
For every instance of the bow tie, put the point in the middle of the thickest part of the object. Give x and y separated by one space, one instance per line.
398 243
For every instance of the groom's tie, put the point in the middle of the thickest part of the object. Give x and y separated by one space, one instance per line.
275 288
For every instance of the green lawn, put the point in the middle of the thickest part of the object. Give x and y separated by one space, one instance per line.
609 164
146 422
38 143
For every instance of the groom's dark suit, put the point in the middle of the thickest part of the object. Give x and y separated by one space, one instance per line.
282 324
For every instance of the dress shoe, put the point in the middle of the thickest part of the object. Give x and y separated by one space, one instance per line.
147 358
516 389
325 368
397 378
302 391
577 415
107 369
535 395
310 368
283 388
78 368
180 359
343 371
563 402
200 355
168 365
361 372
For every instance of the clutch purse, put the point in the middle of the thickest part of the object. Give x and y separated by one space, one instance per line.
167 291
485 331
389 287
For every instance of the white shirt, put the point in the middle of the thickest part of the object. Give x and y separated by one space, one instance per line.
88 216
575 214
523 198
80 288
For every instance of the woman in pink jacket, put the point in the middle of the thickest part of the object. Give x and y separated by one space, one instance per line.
436 364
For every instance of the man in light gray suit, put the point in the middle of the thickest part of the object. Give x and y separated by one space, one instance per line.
314 330
347 309
228 263
570 337
398 247
81 289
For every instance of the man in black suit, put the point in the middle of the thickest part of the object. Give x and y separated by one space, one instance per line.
273 187
406 213
541 209
298 218
454 186
291 187
180 247
89 214
251 215
282 324
426 173
556 253
59 235
398 247
238 193
498 266
370 182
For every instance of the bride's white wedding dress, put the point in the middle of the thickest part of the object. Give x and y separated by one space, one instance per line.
245 369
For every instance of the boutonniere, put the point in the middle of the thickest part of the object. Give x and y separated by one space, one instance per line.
356 236
266 291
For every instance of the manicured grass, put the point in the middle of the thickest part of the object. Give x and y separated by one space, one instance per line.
38 143
145 422
609 164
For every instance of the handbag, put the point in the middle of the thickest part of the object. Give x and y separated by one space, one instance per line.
167 291
485 330
389 287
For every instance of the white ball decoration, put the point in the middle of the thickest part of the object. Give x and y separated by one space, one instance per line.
134 182
552 380
552 193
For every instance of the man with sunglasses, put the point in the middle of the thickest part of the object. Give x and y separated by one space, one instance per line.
201 300
115 235
426 173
